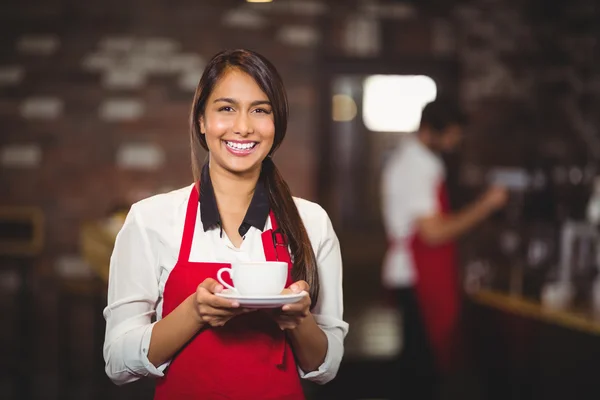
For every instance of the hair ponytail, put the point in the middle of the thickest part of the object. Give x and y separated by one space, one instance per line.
290 222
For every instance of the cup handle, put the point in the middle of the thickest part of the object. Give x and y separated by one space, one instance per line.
220 279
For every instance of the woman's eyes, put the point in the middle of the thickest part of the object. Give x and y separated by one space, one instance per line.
257 110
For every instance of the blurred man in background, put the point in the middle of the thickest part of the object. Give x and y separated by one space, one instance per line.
420 265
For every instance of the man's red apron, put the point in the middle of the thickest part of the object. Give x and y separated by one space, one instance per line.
437 291
249 358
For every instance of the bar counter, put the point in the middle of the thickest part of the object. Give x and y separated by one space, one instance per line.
575 318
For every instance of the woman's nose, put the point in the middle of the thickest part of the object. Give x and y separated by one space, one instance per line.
242 125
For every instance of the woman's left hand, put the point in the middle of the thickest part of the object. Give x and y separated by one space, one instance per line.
290 316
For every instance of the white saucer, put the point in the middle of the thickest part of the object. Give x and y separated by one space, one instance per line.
275 301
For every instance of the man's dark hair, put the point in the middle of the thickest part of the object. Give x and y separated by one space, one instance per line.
441 114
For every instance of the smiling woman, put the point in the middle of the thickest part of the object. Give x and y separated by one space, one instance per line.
239 210
238 131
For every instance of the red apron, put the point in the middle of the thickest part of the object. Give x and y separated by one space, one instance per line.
247 359
437 291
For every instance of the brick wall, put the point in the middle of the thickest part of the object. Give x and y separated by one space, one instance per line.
94 99
86 88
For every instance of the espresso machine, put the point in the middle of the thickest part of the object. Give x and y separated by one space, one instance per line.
544 245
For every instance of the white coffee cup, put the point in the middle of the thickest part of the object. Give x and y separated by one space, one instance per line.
262 278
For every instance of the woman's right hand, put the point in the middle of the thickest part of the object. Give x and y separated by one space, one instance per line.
211 309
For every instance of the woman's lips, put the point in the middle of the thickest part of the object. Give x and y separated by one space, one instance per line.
240 147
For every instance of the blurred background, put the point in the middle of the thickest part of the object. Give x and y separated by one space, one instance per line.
94 104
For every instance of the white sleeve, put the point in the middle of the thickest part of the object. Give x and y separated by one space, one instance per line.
328 312
393 196
409 190
132 296
423 199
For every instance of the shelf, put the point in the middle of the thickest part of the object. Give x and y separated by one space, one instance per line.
572 319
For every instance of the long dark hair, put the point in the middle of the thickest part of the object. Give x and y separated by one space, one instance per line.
267 78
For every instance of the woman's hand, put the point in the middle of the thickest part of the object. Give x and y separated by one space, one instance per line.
290 316
214 310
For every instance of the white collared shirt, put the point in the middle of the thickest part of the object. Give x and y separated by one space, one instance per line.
145 252
410 185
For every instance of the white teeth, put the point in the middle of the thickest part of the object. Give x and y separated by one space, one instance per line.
241 146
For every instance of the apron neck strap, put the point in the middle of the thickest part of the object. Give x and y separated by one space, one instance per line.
190 224
274 224
278 236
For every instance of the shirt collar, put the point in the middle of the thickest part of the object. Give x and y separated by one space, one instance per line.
257 213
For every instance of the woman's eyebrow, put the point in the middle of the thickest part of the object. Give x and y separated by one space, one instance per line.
235 102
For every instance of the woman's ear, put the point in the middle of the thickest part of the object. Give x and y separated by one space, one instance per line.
202 127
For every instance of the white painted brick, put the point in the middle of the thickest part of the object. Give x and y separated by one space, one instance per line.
362 36
188 81
123 79
304 36
41 108
304 7
123 59
38 44
99 61
187 62
244 18
154 63
140 156
173 64
21 156
11 75
160 46
73 266
117 44
121 109
149 63
299 35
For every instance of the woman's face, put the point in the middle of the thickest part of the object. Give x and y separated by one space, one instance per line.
238 124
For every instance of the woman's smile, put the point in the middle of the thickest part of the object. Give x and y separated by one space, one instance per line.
241 147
